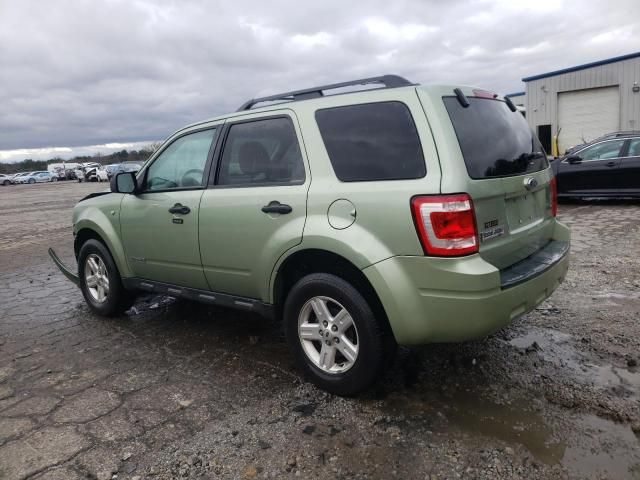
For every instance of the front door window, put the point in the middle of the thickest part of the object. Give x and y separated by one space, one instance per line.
181 165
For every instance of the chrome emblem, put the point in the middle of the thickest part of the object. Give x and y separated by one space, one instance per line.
530 183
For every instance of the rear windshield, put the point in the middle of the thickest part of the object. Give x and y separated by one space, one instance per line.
373 141
495 141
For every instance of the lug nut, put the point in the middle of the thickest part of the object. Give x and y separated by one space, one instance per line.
334 328
327 342
325 323
336 339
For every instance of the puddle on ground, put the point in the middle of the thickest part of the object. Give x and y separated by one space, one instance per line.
614 299
586 445
474 414
603 447
557 348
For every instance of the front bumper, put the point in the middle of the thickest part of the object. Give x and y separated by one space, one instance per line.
430 300
63 268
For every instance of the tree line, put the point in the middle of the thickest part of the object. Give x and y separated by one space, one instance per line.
30 165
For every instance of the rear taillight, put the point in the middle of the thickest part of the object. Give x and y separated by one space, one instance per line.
554 196
446 224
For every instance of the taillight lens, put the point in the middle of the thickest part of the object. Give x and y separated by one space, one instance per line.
446 224
554 196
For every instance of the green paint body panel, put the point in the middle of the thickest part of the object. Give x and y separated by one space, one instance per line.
445 300
226 244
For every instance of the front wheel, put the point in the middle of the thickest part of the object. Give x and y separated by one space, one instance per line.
54 179
337 340
32 181
100 280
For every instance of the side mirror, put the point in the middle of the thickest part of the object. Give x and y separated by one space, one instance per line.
573 159
124 183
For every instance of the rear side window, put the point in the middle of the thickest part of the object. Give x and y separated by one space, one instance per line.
262 152
374 141
495 141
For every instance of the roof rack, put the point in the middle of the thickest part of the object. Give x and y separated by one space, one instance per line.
389 81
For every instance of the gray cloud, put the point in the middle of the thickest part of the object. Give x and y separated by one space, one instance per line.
86 72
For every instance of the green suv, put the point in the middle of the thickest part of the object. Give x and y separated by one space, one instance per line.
401 214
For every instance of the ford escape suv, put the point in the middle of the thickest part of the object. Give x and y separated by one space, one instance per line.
401 214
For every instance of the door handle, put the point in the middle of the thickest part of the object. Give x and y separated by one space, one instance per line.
179 208
611 164
277 207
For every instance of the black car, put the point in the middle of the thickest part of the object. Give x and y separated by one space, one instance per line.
607 136
609 167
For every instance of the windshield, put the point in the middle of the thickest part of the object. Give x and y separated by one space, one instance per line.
495 141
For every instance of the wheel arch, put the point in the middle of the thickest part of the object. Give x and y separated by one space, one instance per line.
313 260
106 234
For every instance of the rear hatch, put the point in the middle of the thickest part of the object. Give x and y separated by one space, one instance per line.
488 151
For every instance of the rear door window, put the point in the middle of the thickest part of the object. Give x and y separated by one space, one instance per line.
374 141
495 141
634 148
262 152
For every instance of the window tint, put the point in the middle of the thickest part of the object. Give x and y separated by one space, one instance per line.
375 141
634 148
182 164
602 151
495 141
261 152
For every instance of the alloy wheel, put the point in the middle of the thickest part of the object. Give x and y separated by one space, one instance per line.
328 335
96 278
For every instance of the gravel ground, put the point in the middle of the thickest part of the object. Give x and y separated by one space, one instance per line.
179 390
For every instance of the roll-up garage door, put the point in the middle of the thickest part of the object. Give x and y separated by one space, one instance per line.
586 114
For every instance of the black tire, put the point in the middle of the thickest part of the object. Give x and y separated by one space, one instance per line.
32 181
5 183
117 299
373 338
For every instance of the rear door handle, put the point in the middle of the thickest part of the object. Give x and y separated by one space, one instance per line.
277 207
611 164
179 208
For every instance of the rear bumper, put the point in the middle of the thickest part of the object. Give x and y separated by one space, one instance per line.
430 299
63 268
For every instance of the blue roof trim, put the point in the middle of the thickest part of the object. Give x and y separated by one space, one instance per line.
515 94
582 67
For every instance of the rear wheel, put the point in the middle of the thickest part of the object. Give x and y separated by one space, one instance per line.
100 280
32 181
5 183
338 342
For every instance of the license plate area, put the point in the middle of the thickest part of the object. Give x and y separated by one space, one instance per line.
525 211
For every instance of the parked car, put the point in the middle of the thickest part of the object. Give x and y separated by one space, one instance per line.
85 170
98 174
116 168
605 168
16 176
608 136
37 177
5 179
430 217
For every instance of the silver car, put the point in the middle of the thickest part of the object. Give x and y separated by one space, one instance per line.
5 179
38 177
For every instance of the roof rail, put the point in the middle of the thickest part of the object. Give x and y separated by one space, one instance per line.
389 81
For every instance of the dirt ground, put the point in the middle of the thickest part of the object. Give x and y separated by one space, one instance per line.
179 390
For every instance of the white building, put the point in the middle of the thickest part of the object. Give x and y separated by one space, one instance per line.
583 102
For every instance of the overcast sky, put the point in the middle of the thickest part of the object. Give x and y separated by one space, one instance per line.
98 73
